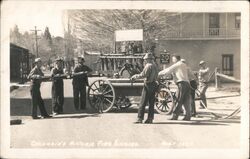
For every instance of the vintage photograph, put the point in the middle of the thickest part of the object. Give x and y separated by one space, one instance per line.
125 78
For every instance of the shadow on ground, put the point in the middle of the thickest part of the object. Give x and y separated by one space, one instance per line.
22 107
199 123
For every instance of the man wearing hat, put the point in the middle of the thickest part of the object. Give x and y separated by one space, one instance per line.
35 76
80 81
180 74
150 73
57 87
203 76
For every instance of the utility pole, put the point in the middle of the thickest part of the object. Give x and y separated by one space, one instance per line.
36 38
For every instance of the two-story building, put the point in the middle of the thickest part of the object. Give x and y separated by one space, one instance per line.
212 37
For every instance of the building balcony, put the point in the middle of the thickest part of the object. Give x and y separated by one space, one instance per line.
206 34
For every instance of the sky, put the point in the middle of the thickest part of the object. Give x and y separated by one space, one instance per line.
27 15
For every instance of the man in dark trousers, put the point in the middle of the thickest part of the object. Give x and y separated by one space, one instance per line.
150 73
80 81
35 76
180 72
57 87
193 83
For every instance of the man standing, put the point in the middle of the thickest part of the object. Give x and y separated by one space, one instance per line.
180 72
57 87
192 79
203 80
80 81
36 75
150 73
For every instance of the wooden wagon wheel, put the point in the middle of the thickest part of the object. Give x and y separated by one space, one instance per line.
101 95
164 103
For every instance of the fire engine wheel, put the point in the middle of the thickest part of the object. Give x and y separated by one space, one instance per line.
101 96
164 103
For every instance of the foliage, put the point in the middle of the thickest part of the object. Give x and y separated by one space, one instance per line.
96 27
49 47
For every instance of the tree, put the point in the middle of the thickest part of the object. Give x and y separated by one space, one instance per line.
49 47
47 36
96 27
15 36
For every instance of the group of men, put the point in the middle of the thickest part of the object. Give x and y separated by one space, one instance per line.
185 80
183 77
80 81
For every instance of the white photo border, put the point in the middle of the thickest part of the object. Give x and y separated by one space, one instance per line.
172 6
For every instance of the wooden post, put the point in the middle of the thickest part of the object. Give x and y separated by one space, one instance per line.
217 78
115 64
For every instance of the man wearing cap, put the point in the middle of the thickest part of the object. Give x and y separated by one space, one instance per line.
203 76
35 76
80 81
180 73
57 87
150 73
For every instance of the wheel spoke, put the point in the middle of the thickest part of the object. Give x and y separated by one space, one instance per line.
164 108
99 82
159 106
106 86
108 96
107 92
108 100
93 89
95 86
98 104
93 94
101 105
97 100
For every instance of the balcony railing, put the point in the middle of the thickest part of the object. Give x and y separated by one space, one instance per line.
207 33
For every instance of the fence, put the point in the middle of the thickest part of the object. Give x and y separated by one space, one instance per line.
219 75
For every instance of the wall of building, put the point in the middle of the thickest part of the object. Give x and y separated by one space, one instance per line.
231 20
193 22
210 51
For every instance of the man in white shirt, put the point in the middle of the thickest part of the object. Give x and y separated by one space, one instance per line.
193 84
180 72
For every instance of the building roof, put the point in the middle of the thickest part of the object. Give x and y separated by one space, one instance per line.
18 47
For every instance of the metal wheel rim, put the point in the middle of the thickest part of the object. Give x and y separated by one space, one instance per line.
101 95
164 103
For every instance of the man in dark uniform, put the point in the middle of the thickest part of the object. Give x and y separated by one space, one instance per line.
80 81
150 73
57 87
36 75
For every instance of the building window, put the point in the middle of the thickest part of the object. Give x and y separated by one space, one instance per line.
227 64
214 23
237 20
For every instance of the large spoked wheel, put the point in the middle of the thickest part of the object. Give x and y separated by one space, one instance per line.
101 95
164 103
